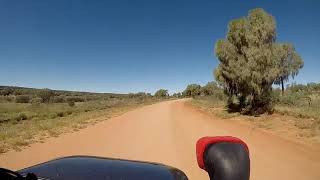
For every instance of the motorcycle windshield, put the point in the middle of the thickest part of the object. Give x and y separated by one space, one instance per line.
86 167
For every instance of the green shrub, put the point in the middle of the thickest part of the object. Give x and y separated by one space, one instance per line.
22 99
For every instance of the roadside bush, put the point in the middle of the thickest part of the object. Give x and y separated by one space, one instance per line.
52 115
192 90
22 99
131 95
75 99
315 87
36 101
59 99
218 94
210 88
21 116
6 91
46 95
71 103
91 97
177 95
4 99
294 99
297 88
289 99
17 92
161 93
9 98
140 95
4 118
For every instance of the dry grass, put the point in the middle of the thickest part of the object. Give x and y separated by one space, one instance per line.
289 124
51 120
301 104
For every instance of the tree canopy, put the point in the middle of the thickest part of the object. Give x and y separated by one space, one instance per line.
177 95
251 61
209 89
289 65
161 93
192 90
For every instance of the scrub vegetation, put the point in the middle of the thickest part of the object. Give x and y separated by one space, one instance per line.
30 115
296 108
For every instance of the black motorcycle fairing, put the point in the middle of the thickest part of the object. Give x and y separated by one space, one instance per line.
89 167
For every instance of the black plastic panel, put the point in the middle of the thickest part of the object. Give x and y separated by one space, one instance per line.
95 168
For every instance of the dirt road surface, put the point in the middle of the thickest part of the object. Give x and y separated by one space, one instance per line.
167 132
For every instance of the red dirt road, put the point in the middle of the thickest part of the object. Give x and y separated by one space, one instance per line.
167 132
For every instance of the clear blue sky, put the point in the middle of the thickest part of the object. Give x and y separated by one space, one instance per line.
130 46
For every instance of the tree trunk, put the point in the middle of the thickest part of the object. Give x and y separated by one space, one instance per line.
282 86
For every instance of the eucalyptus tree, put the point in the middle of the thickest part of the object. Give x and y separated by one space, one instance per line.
251 62
289 65
192 90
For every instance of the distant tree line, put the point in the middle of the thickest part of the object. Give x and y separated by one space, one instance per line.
36 96
194 90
